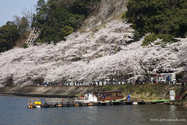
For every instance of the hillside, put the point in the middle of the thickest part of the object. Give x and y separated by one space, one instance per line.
102 51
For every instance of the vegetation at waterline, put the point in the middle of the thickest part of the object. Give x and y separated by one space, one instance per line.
166 19
145 91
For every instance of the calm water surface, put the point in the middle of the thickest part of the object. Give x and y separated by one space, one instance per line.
14 111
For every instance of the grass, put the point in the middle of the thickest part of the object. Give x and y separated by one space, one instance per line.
124 15
146 91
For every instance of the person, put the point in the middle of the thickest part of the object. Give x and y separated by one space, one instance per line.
128 97
82 96
183 85
137 80
168 79
176 97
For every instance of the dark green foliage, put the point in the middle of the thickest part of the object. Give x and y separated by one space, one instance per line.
150 38
8 34
176 50
65 31
159 17
25 46
23 26
59 18
166 38
137 36
124 15
9 81
38 41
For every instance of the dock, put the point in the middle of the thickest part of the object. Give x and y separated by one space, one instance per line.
68 102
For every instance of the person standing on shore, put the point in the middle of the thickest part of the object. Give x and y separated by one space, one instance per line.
128 97
168 79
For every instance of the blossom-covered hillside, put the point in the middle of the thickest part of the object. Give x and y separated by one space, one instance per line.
90 56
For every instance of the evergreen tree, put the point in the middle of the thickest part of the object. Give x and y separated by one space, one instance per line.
24 25
158 16
8 35
59 18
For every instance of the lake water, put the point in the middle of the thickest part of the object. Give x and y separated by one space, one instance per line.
14 111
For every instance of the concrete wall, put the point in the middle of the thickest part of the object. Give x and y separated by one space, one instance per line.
47 90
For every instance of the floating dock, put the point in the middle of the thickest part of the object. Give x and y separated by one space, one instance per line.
66 102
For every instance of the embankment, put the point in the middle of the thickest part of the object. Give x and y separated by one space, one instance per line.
137 92
49 91
146 91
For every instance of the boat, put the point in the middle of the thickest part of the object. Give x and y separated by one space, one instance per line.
110 96
135 103
34 103
102 97
87 98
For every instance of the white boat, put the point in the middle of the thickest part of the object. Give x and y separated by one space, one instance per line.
115 96
135 103
88 98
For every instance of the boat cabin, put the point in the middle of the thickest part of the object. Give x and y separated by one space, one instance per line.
109 95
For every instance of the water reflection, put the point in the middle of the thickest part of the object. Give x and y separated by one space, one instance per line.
13 110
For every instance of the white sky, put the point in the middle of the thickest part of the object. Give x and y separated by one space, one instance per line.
9 8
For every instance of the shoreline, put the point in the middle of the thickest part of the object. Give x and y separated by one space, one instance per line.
37 95
137 92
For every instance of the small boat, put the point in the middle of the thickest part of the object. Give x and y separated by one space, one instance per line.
34 103
88 98
135 103
110 96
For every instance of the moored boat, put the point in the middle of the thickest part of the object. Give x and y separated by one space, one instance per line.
34 103
110 96
102 97
87 98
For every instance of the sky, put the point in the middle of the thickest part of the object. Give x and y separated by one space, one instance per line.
9 8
